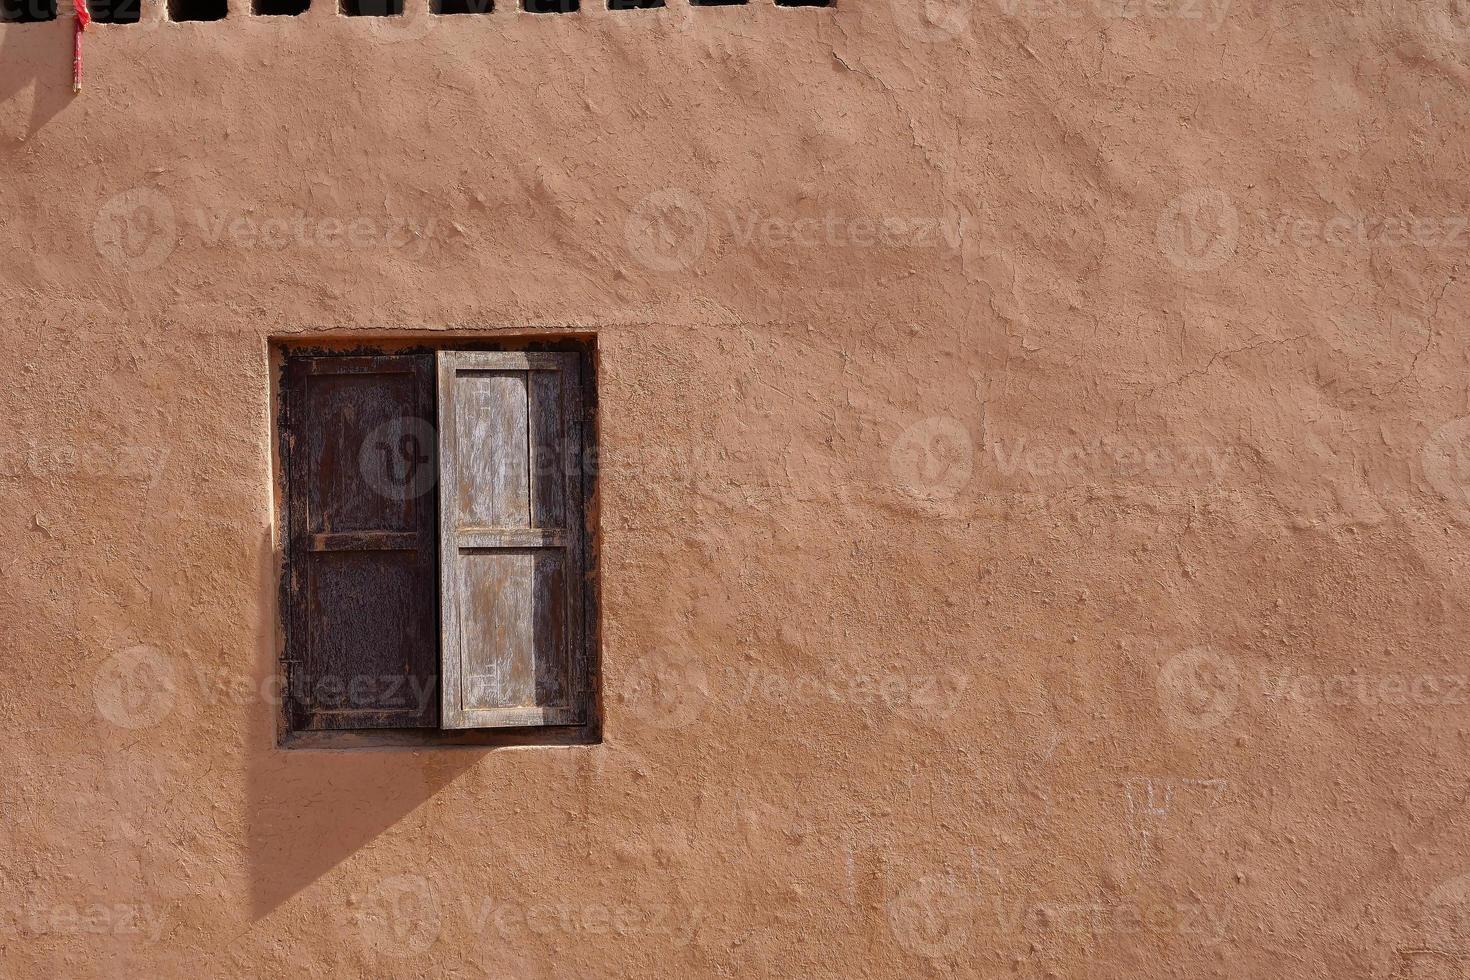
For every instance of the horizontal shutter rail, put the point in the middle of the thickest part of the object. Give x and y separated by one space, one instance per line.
357 713
521 717
511 537
357 365
474 362
365 541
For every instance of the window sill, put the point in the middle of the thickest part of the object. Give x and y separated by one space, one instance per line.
435 738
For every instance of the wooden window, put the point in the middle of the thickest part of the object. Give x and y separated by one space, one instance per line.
510 539
436 544
363 603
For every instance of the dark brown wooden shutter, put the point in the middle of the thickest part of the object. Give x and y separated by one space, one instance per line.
362 622
511 540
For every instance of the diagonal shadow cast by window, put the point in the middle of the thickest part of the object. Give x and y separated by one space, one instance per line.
311 809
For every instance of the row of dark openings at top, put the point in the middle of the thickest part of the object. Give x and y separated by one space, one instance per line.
129 11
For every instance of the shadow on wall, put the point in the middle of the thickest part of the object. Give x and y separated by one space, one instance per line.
37 57
310 809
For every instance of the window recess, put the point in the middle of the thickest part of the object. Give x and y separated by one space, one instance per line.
437 543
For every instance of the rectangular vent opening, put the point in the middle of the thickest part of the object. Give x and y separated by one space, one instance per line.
634 4
197 9
372 8
115 11
550 6
463 6
27 11
280 8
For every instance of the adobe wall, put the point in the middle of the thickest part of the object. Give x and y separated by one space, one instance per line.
1033 515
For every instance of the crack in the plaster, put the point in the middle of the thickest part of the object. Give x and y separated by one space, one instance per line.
1217 356
1428 336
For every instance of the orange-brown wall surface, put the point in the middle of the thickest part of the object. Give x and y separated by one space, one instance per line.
1033 504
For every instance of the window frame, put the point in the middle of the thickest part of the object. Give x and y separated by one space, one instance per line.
288 621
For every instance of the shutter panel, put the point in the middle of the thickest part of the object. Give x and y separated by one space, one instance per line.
511 540
361 501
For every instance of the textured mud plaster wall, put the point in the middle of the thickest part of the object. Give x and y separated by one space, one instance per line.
1033 520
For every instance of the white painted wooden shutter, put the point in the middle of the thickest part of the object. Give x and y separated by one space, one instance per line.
510 533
